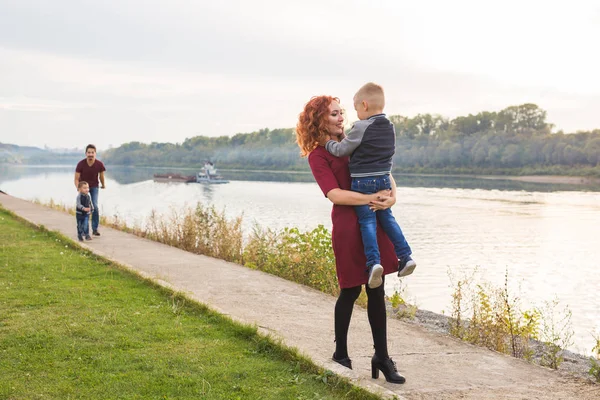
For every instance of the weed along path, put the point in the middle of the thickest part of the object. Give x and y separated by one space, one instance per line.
436 366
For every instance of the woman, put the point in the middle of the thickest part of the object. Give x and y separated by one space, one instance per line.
322 119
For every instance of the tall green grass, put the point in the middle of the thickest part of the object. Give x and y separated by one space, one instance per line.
303 257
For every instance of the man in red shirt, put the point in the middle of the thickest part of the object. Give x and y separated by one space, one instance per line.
89 170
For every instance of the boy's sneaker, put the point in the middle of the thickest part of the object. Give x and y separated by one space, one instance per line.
375 274
88 237
406 266
80 238
96 233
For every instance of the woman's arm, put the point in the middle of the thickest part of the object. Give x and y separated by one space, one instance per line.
393 187
349 198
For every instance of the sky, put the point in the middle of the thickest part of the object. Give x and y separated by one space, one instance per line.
107 72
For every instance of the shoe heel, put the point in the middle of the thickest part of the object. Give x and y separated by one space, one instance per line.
374 372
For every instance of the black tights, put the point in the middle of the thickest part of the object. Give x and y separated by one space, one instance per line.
377 319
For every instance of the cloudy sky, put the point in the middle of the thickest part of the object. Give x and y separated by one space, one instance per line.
114 71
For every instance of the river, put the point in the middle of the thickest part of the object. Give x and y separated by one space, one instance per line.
543 235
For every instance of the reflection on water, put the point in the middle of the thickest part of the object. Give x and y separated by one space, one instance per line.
545 236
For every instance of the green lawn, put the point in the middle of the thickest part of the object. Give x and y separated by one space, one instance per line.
73 326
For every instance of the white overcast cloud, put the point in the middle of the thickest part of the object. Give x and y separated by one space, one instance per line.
79 71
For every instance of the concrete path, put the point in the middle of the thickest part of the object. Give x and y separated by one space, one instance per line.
436 367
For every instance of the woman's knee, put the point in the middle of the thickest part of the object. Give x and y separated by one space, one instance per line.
350 294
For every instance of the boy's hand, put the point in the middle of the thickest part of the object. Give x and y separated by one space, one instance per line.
340 135
86 209
336 137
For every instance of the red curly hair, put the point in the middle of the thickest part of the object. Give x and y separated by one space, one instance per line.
311 128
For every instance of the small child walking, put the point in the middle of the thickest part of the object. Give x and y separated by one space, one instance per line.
84 207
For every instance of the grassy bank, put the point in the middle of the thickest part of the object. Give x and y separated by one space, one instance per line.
75 326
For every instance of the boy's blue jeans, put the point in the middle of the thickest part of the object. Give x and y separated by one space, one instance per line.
367 220
83 225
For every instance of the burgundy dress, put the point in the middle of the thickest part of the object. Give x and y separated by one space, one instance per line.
332 172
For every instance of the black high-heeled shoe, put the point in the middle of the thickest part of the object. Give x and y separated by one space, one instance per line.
388 367
346 362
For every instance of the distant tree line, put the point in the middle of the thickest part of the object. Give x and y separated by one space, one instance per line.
514 140
264 149
13 154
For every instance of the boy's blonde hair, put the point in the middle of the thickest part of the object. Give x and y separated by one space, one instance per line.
82 184
373 94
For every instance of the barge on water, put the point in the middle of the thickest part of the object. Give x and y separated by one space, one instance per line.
174 178
208 174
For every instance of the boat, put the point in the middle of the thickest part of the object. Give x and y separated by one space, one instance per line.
209 175
172 177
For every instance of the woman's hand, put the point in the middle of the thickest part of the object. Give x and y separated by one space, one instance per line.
384 200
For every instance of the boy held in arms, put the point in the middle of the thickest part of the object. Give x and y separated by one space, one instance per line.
371 143
84 207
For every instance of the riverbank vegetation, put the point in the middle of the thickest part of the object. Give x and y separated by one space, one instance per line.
595 360
494 317
73 325
514 141
491 317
